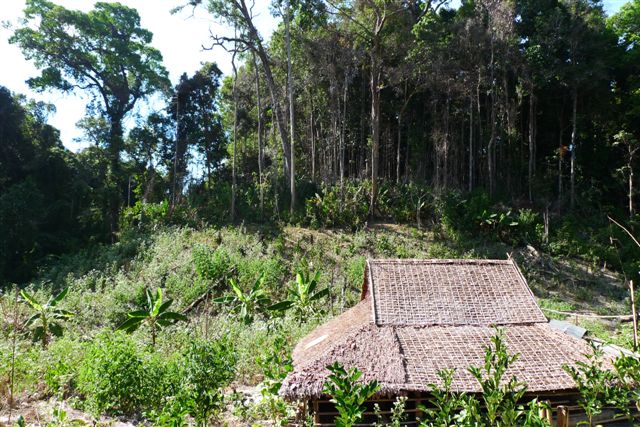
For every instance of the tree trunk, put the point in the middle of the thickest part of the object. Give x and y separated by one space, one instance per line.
532 142
235 131
492 140
630 191
343 128
470 143
375 127
560 156
292 164
259 49
574 135
115 146
313 142
398 147
260 142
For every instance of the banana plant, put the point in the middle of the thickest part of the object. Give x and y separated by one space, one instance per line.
246 305
302 295
156 315
47 317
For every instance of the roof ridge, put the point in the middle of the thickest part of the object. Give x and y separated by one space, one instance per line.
403 356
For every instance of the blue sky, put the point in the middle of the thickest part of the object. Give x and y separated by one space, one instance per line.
179 37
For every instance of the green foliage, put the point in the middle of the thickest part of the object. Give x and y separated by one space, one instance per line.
499 399
60 365
597 386
347 394
60 418
47 317
478 214
336 206
398 414
249 304
444 405
156 315
117 377
275 363
303 296
146 216
206 368
211 264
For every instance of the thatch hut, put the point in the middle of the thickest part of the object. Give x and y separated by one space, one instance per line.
418 317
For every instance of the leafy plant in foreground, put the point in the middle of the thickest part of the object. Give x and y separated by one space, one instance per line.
444 405
500 397
46 317
596 384
348 394
156 315
207 368
275 364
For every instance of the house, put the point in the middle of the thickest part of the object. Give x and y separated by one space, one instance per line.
418 317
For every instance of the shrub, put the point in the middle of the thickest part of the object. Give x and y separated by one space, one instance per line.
207 367
149 216
211 264
117 377
61 364
348 394
334 206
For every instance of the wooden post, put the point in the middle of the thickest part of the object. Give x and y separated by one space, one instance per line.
563 416
635 317
316 412
548 413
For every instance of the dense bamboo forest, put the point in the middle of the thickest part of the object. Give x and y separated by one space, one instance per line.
249 200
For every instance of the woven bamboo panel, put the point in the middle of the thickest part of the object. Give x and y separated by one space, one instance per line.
451 292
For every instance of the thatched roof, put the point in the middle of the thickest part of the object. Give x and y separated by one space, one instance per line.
417 317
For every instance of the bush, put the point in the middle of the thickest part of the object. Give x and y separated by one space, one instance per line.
476 214
207 367
211 264
117 377
335 206
60 364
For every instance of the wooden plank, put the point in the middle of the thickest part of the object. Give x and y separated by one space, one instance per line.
563 416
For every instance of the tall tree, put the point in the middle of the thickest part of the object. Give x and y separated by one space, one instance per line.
104 52
239 15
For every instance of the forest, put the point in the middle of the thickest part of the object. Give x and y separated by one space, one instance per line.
139 274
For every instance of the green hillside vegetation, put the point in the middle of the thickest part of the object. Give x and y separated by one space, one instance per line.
102 371
162 274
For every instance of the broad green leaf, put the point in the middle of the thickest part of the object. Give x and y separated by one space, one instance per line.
130 324
280 306
322 293
165 306
55 329
157 303
32 319
170 315
139 314
224 299
63 314
236 288
258 283
31 300
55 300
